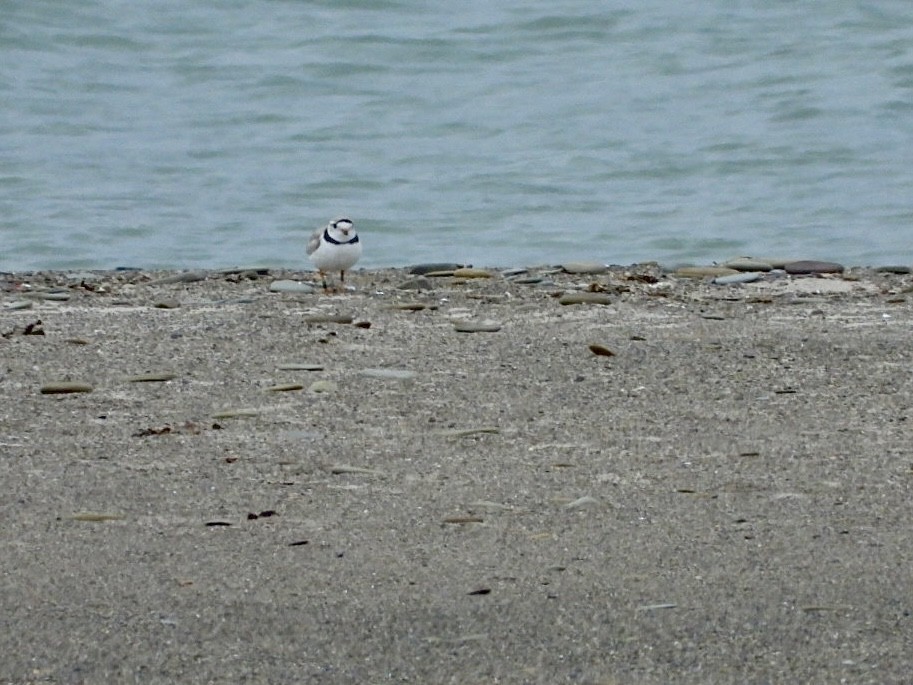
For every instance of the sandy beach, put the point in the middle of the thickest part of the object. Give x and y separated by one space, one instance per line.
468 476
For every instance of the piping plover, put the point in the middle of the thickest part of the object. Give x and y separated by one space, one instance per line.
335 247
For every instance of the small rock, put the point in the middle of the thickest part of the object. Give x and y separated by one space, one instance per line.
64 387
323 386
329 318
809 266
584 298
704 271
421 269
16 305
894 269
584 268
300 366
389 374
285 387
471 273
156 377
741 277
486 326
747 264
167 304
601 350
286 286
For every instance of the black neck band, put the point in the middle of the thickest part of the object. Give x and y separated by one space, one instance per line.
329 239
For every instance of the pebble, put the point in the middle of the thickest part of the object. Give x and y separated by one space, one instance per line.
329 318
286 286
421 269
747 264
704 271
389 374
16 305
741 277
285 387
464 432
584 298
155 377
167 304
300 366
894 269
486 326
469 272
601 350
339 469
584 268
323 386
64 387
809 266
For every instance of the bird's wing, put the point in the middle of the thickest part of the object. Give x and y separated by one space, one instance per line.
314 242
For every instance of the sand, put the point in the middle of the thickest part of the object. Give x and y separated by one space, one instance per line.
721 495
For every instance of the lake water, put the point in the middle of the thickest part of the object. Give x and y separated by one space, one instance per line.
198 134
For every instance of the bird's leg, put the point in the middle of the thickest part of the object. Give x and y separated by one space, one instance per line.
323 278
342 276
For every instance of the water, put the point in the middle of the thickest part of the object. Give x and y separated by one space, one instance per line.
196 134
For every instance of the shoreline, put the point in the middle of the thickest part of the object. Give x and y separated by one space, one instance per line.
615 475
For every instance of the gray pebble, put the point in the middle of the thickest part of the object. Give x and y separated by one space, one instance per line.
285 286
743 277
300 366
486 326
584 268
421 269
747 264
584 298
389 374
64 387
810 266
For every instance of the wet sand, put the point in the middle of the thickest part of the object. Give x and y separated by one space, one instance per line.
687 482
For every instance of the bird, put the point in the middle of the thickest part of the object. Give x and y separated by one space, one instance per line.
335 247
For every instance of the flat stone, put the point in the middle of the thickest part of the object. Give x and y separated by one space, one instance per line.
469 272
286 286
64 387
323 387
584 268
300 366
486 326
389 374
894 269
584 298
285 387
157 377
747 264
16 305
421 269
741 277
704 271
329 318
810 266
167 304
